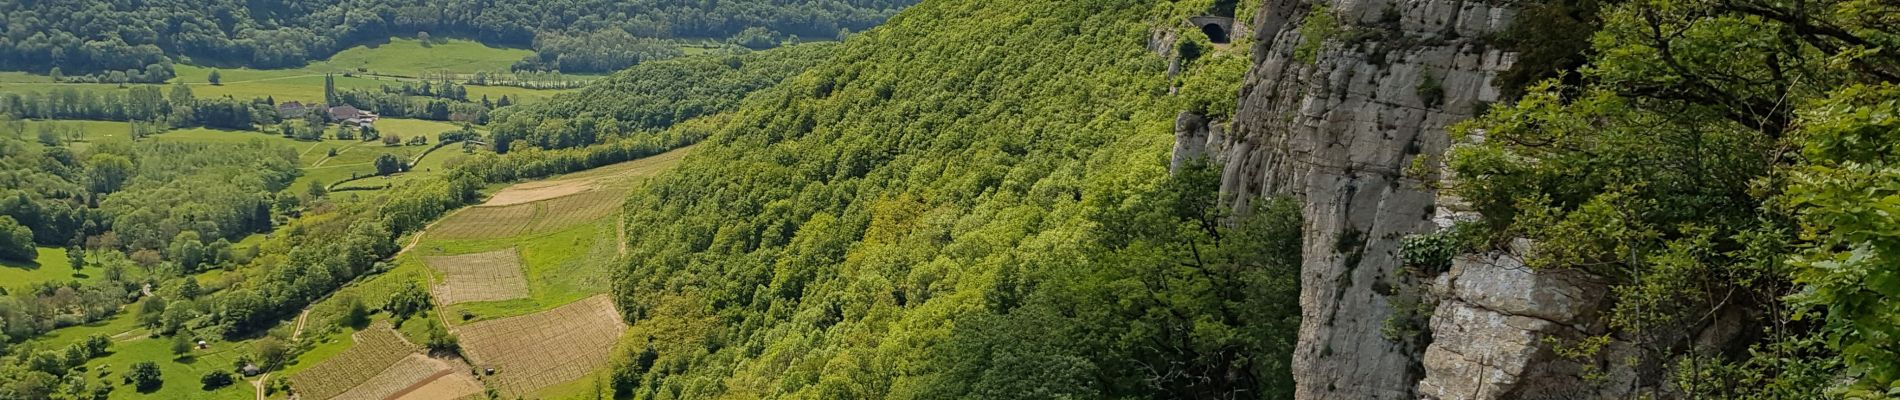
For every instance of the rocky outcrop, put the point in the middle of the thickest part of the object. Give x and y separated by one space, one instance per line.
1333 119
1499 323
1196 137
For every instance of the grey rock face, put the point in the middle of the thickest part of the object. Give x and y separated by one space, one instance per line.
1498 323
1196 137
1336 129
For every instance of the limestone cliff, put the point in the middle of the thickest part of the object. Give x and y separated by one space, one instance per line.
1342 98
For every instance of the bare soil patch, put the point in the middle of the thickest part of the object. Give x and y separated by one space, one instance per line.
594 179
451 384
536 191
538 350
485 276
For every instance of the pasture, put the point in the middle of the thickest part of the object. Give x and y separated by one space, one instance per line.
180 373
367 67
539 350
353 158
409 57
50 266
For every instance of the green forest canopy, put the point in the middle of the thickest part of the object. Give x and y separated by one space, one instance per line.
91 36
651 96
972 200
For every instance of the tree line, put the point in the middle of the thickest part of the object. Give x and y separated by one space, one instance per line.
648 97
97 38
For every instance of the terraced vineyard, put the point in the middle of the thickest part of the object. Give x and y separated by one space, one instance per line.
576 209
376 349
406 373
488 222
485 276
538 350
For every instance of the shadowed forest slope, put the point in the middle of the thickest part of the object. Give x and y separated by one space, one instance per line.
972 200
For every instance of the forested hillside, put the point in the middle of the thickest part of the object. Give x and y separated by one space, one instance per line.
651 96
972 200
82 37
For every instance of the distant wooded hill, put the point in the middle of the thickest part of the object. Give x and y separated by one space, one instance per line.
95 36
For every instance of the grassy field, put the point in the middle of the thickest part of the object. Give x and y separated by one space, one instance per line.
50 266
353 158
23 77
124 325
408 57
560 267
399 57
181 374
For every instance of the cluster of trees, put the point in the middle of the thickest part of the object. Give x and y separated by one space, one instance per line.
961 205
649 96
524 79
33 370
43 370
1713 158
442 89
178 108
88 37
390 103
138 215
139 196
153 73
605 50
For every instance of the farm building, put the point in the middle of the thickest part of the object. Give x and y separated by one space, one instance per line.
347 114
292 109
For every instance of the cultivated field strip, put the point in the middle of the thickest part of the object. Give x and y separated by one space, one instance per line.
538 217
449 385
407 372
576 209
376 349
538 350
488 222
486 276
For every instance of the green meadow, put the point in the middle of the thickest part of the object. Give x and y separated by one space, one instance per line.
181 373
361 67
352 158
51 266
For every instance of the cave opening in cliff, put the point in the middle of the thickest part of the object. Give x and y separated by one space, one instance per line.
1215 33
